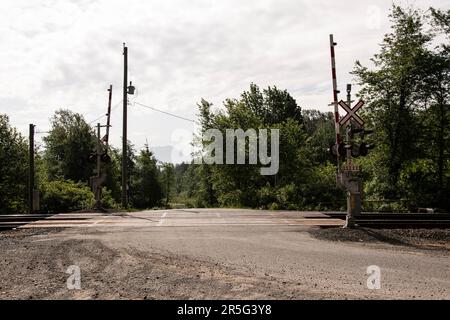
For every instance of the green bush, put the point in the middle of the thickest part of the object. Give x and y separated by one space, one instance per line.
108 201
286 196
66 195
274 206
266 196
231 198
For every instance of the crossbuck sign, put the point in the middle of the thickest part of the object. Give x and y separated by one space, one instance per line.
351 113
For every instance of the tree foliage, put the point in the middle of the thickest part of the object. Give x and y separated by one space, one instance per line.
68 147
406 89
13 168
300 138
408 105
66 195
147 190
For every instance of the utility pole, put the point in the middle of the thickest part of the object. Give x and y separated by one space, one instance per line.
108 121
98 188
353 194
124 132
101 155
168 184
31 169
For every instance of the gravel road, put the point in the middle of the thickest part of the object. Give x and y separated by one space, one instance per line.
163 260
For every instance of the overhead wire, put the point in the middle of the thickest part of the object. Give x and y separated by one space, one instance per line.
165 112
104 115
133 101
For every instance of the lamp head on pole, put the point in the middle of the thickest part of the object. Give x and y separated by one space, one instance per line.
131 88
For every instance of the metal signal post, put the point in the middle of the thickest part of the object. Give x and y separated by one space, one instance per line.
31 170
108 120
352 184
345 177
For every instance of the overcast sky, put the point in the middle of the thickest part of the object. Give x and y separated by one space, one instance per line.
64 54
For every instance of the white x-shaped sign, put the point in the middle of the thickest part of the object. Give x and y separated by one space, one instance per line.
351 113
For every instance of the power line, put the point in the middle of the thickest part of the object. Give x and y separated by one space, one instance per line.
104 115
96 119
42 131
165 112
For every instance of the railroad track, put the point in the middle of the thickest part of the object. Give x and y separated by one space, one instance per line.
398 220
373 220
11 221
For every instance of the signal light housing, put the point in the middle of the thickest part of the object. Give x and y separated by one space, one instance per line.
364 149
340 149
105 158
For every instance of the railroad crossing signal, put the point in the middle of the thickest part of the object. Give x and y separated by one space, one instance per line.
351 113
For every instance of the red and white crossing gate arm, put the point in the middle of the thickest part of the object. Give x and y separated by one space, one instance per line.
335 90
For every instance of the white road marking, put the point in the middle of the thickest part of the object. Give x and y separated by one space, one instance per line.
188 224
97 222
181 219
162 219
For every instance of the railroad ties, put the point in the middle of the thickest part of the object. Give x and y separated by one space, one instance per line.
398 220
331 219
12 221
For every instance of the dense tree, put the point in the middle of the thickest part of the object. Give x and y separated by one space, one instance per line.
131 169
68 147
320 135
13 169
391 90
168 180
180 171
147 190
408 98
243 185
113 174
436 95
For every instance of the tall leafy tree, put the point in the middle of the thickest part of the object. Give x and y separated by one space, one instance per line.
146 184
113 174
13 169
168 180
131 168
205 195
392 89
243 185
320 135
433 180
68 147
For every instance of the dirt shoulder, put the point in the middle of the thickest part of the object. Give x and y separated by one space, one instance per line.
34 264
419 238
